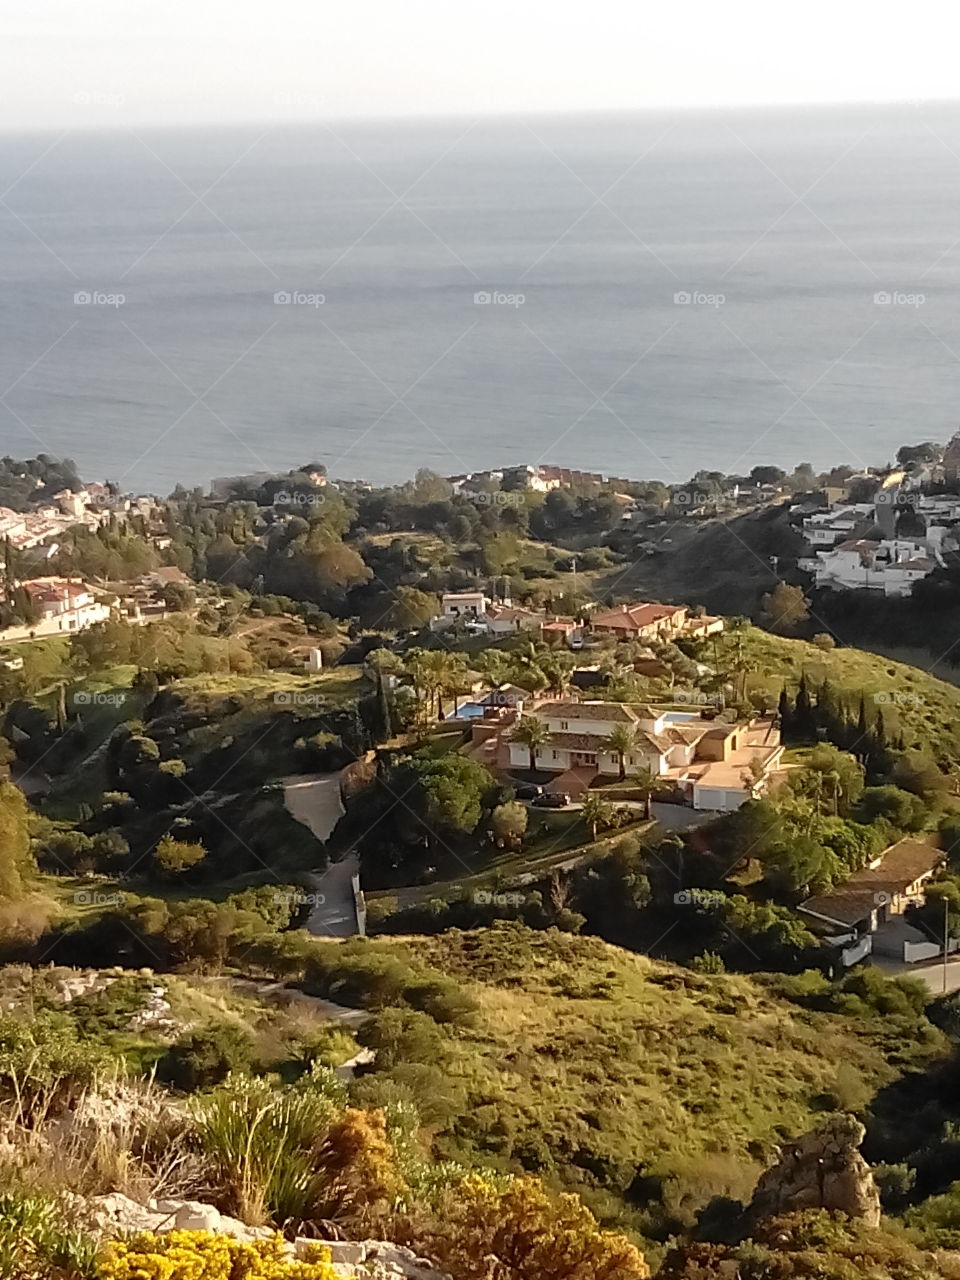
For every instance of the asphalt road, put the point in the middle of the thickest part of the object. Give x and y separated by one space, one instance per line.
315 801
930 974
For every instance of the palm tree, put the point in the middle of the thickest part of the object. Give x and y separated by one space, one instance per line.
494 664
457 683
557 669
596 813
419 671
622 740
647 783
533 733
439 667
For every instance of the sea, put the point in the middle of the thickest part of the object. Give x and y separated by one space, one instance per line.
643 295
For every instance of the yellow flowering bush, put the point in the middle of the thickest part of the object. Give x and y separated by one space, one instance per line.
483 1228
202 1255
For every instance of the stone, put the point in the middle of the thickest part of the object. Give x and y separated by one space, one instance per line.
191 1215
821 1170
351 1259
346 1252
116 1213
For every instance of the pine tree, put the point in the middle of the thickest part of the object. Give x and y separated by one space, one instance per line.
863 730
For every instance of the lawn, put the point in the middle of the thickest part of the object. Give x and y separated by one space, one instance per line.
336 685
556 839
44 661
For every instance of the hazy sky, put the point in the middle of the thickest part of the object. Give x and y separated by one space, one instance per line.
97 62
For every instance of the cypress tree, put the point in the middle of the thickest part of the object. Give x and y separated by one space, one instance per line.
827 715
862 742
805 721
784 710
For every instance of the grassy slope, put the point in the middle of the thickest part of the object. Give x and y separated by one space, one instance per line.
720 563
619 1064
925 708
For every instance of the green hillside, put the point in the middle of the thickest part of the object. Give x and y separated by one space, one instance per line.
645 1087
926 709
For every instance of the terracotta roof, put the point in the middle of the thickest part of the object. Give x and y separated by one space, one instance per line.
635 617
685 734
167 573
616 712
55 589
899 867
844 906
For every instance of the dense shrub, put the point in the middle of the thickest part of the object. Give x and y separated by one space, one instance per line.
43 1061
205 1057
38 1240
154 1256
480 1229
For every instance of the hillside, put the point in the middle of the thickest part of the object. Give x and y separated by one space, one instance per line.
723 564
645 1087
925 709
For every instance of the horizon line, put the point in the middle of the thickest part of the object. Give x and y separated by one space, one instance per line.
401 117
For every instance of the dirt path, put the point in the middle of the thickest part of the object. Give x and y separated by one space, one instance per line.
284 995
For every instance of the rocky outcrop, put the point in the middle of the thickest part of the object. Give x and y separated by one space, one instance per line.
822 1170
117 1214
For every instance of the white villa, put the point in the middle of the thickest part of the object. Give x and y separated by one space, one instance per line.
716 765
468 605
64 606
839 524
891 565
485 616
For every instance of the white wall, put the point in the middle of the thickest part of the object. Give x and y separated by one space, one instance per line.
720 798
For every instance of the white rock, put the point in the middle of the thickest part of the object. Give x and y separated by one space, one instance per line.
118 1213
347 1252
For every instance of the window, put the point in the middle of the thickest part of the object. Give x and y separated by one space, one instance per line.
564 724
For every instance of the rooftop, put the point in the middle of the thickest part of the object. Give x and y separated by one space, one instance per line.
635 617
898 867
614 712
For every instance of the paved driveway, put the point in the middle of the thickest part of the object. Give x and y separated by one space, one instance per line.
315 801
335 913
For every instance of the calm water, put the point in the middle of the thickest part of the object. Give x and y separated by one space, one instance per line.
795 218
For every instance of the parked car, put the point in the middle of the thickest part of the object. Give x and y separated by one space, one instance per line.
552 800
528 790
